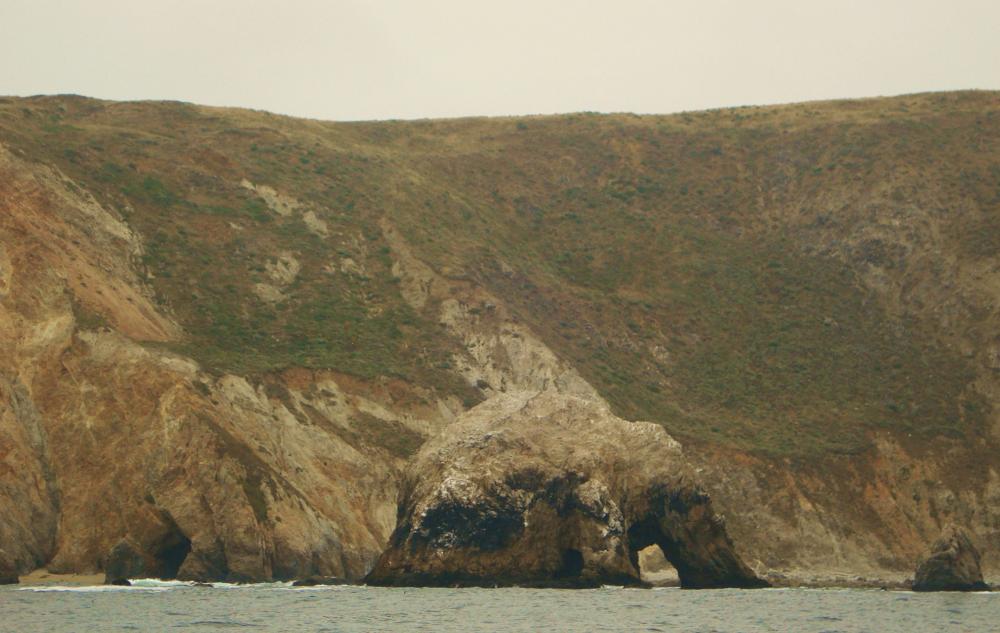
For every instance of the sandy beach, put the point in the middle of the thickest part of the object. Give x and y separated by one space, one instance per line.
43 577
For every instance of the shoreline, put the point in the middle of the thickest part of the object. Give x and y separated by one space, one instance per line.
43 577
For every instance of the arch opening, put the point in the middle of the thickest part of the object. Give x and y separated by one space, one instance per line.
655 569
698 549
646 538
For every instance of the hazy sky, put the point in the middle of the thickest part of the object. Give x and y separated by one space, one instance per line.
353 59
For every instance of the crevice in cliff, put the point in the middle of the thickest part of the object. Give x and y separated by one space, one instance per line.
36 494
26 412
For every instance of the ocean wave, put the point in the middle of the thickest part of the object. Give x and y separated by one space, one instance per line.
154 584
185 584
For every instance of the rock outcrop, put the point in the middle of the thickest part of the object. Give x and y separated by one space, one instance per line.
8 572
549 489
953 565
126 560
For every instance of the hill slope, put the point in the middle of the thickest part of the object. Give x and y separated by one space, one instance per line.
804 295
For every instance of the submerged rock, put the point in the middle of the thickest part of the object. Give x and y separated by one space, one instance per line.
548 489
953 565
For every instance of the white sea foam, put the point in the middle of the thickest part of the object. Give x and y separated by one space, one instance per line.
89 589
184 584
155 582
255 585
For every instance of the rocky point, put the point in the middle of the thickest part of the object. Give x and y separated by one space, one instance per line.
550 489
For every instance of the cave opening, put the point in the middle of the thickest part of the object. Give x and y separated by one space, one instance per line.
170 554
572 564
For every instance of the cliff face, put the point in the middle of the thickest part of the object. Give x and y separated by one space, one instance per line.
224 334
212 476
843 519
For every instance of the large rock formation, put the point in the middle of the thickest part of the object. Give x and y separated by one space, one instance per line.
552 489
953 565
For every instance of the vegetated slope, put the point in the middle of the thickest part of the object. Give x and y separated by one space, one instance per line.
785 282
770 277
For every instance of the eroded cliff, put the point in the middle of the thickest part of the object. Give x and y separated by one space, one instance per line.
103 438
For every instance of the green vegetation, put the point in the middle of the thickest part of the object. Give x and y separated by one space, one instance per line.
86 319
767 278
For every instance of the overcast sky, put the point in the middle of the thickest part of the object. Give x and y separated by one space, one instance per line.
377 59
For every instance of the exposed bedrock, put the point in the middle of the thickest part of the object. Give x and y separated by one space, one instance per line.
8 572
549 489
953 565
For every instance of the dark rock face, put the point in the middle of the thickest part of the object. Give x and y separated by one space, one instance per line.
125 561
553 490
158 553
8 572
953 565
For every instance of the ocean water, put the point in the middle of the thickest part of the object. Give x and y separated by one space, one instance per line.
174 606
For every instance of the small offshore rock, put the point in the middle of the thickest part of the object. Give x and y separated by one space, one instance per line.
120 582
313 581
953 565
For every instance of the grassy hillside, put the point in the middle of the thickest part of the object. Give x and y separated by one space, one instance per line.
783 279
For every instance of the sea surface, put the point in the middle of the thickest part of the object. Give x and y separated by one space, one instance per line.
174 606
